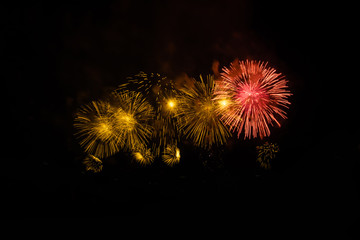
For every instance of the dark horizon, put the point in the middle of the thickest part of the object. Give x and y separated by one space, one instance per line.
61 56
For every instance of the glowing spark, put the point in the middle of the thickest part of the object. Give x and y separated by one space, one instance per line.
171 155
177 154
93 163
197 114
171 104
257 95
223 103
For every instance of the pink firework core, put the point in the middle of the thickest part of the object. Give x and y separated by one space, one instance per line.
258 95
251 96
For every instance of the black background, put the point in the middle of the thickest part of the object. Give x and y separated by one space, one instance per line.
59 56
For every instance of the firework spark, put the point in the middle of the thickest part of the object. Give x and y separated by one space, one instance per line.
96 130
256 95
93 164
197 114
171 155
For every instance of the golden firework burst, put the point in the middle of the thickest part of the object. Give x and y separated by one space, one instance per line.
96 130
122 122
171 155
143 155
160 92
198 116
132 119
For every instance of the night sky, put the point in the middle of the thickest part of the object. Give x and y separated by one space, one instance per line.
61 56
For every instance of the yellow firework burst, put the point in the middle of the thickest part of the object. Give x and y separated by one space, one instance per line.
143 155
124 122
93 163
197 114
96 130
132 119
171 155
160 92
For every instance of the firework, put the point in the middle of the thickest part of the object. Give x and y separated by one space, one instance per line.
256 96
153 86
265 153
132 119
93 163
123 122
95 128
197 114
166 129
160 92
171 155
143 155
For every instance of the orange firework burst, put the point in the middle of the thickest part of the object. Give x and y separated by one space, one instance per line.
256 95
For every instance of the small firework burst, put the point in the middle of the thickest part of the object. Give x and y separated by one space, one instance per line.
198 116
256 95
143 155
96 130
132 119
93 163
265 153
153 86
171 155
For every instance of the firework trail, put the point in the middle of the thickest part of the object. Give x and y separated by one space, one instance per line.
265 153
95 128
171 155
254 96
198 116
93 164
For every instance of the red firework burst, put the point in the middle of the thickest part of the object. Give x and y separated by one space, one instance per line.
256 96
